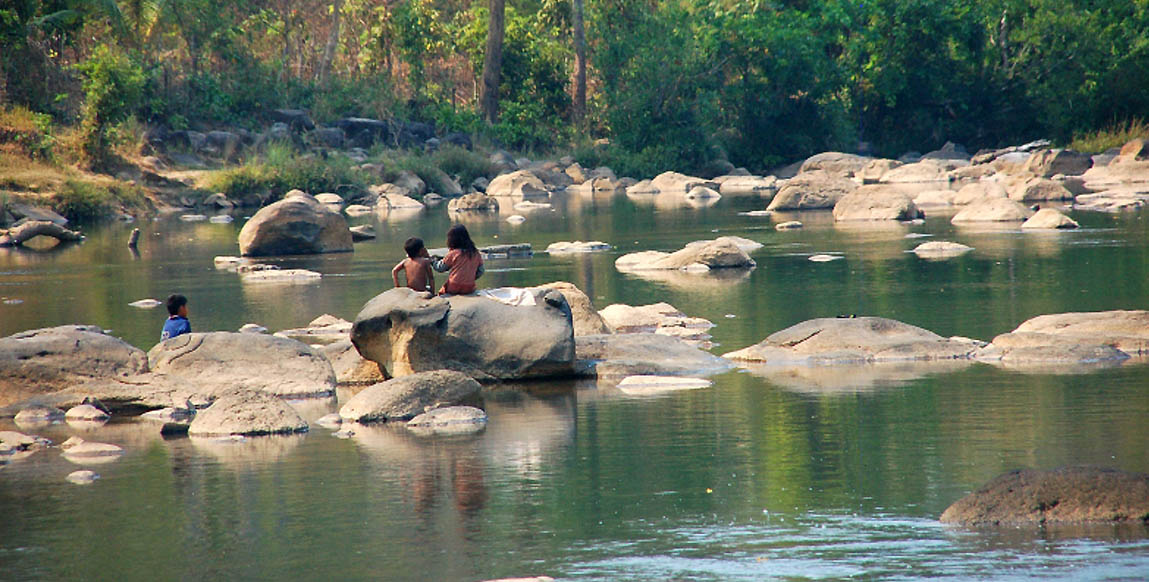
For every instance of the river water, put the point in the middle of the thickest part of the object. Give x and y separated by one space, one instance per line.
818 475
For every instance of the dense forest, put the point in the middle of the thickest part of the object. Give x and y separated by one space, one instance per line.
668 84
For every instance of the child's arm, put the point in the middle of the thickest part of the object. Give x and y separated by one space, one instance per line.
430 276
395 272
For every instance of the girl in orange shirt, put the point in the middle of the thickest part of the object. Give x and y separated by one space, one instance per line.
463 263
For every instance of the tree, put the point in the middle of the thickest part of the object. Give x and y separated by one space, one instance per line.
580 60
493 62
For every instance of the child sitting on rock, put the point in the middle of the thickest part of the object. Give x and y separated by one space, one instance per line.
177 323
463 263
417 267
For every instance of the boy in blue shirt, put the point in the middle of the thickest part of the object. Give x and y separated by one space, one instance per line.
177 323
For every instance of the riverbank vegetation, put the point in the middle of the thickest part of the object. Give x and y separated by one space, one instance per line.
642 86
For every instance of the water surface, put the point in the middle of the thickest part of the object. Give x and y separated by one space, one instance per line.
794 475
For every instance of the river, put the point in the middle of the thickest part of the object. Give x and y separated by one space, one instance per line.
833 474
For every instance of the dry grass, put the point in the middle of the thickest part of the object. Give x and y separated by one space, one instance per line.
1113 136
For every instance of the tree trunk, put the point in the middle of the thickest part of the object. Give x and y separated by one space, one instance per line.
493 62
332 42
33 228
580 60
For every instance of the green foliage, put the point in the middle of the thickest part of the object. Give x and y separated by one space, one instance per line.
31 132
1114 136
113 86
281 170
85 201
465 164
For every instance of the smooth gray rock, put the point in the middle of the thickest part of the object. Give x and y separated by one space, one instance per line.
217 361
404 398
584 317
722 253
247 412
836 163
854 340
1080 336
877 202
407 332
620 355
811 191
296 225
450 420
993 210
43 361
1049 219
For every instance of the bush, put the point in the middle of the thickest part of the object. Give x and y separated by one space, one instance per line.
82 201
113 86
281 169
1114 136
30 132
465 164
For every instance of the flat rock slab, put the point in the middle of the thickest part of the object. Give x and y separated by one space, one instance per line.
247 412
1069 495
577 246
406 332
940 250
451 420
646 385
406 397
42 361
218 361
1125 330
854 340
621 355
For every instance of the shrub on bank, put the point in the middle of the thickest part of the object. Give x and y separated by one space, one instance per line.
84 201
1114 136
260 181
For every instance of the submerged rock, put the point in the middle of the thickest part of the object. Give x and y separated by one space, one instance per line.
1068 495
247 412
217 361
38 416
645 385
83 477
407 332
404 398
77 447
577 247
937 250
854 340
451 420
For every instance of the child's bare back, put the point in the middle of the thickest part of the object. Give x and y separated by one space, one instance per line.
416 267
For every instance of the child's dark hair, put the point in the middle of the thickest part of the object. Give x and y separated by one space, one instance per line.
175 302
413 245
459 238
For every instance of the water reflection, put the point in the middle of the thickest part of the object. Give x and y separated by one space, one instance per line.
850 379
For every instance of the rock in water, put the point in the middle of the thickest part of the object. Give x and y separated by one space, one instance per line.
217 361
247 412
296 225
86 412
83 477
877 202
812 190
449 420
404 398
586 320
405 332
701 258
937 250
854 340
993 210
36 416
42 361
1069 495
77 448
1049 218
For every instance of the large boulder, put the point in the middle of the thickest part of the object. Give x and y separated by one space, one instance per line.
411 182
993 210
521 183
297 225
1135 150
1049 219
1048 163
247 412
918 172
217 361
585 318
854 340
978 191
620 355
812 190
675 183
872 172
836 163
407 332
350 367
876 203
42 361
1036 189
1127 331
406 397
716 254
474 202
1069 495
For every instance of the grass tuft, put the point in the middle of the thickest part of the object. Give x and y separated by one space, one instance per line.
1114 136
